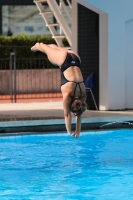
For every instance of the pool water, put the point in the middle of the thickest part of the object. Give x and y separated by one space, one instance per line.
96 166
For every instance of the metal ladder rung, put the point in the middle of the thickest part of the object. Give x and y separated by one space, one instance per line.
39 1
46 13
69 48
52 24
58 36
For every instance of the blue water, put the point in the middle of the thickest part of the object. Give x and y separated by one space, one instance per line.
96 166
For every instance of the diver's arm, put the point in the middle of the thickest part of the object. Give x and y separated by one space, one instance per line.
67 114
68 123
78 126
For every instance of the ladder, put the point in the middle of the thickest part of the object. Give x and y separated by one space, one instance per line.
62 14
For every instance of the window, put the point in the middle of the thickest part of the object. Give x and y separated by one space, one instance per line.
22 19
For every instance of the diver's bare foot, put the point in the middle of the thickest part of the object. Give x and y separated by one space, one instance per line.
34 49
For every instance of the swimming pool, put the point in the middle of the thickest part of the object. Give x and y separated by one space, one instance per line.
97 166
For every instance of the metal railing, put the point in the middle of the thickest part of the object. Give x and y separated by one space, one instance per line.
23 78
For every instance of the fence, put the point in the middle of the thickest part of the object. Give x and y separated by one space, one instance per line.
27 78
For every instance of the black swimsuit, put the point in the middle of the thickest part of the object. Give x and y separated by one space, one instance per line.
71 60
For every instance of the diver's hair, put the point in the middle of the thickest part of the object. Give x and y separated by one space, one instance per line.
78 106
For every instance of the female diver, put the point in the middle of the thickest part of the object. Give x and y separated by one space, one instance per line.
72 85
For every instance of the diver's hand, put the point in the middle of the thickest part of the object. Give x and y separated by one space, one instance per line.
69 133
75 134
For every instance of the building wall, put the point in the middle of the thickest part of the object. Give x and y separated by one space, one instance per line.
118 79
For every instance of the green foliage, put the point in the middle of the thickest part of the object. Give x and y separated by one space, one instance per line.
25 40
21 44
65 42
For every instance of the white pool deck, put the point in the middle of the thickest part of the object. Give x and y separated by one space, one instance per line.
51 113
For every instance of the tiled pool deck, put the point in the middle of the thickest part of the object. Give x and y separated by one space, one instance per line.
48 116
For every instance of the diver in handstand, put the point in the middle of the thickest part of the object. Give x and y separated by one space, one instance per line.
72 85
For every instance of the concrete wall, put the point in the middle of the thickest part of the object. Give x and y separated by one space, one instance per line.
31 81
116 49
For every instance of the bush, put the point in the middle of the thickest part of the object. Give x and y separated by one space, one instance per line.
65 42
25 40
21 44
